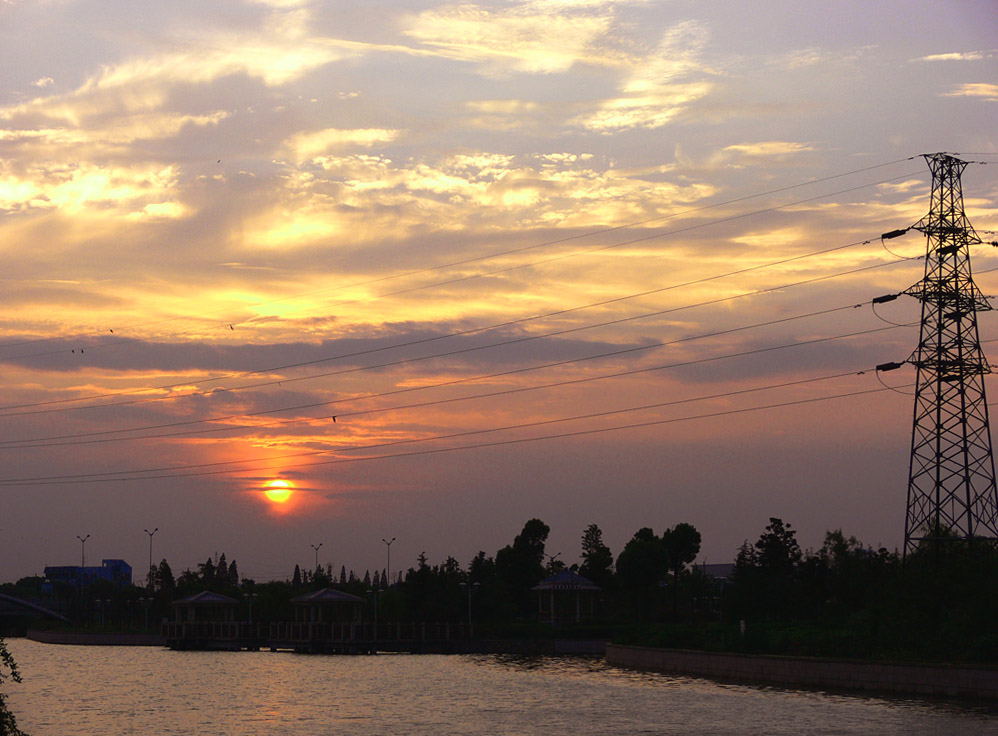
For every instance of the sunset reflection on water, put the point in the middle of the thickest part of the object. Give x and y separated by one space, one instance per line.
77 691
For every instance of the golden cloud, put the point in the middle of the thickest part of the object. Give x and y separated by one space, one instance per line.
660 86
306 146
78 188
977 89
768 148
535 38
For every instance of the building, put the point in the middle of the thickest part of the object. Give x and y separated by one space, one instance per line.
328 605
566 597
117 572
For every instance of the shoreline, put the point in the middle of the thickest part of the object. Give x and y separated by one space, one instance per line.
589 647
96 638
896 678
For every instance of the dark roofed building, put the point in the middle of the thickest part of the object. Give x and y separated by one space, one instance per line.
205 606
566 597
327 605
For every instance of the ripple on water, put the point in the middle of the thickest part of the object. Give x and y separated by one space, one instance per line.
81 691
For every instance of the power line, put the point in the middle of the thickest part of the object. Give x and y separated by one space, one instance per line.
53 441
151 474
273 369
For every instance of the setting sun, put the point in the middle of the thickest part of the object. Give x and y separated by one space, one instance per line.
278 491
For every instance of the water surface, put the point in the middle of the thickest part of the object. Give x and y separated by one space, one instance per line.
112 691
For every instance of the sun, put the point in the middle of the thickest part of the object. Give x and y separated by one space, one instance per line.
278 491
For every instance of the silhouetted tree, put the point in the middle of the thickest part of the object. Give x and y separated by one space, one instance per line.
641 565
296 578
8 671
766 573
597 559
222 571
521 565
233 574
206 571
343 574
682 544
164 576
320 579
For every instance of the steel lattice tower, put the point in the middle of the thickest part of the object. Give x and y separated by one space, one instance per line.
951 480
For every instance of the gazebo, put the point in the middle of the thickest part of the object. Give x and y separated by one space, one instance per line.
326 606
203 607
566 597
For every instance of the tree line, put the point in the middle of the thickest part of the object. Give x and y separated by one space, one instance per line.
842 599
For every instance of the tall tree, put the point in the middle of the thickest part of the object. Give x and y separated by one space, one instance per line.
164 576
641 565
521 565
296 578
207 572
597 560
682 543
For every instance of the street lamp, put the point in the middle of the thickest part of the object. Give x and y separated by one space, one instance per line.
376 593
388 570
145 603
316 554
83 551
251 597
150 533
470 590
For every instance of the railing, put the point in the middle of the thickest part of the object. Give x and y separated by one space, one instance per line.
215 630
386 632
334 632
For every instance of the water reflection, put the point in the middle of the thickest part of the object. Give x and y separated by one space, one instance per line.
71 691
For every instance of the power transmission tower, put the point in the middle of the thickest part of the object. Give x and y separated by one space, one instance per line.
951 479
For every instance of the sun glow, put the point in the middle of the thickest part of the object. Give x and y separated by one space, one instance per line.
278 491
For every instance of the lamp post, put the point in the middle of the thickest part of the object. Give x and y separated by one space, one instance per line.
83 551
146 602
470 590
376 593
388 570
250 597
316 554
150 533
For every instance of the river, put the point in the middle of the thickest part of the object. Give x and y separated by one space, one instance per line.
112 691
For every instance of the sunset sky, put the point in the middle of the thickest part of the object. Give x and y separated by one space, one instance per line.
555 259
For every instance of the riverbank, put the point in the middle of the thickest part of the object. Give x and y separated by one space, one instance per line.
958 681
524 647
96 638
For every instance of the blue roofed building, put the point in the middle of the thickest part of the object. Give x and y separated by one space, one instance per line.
117 572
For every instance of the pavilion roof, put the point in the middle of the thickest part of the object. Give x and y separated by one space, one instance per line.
327 597
566 580
206 598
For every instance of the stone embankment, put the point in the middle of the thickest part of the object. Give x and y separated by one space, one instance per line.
835 674
593 647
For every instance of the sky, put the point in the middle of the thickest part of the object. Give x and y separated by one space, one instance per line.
439 268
